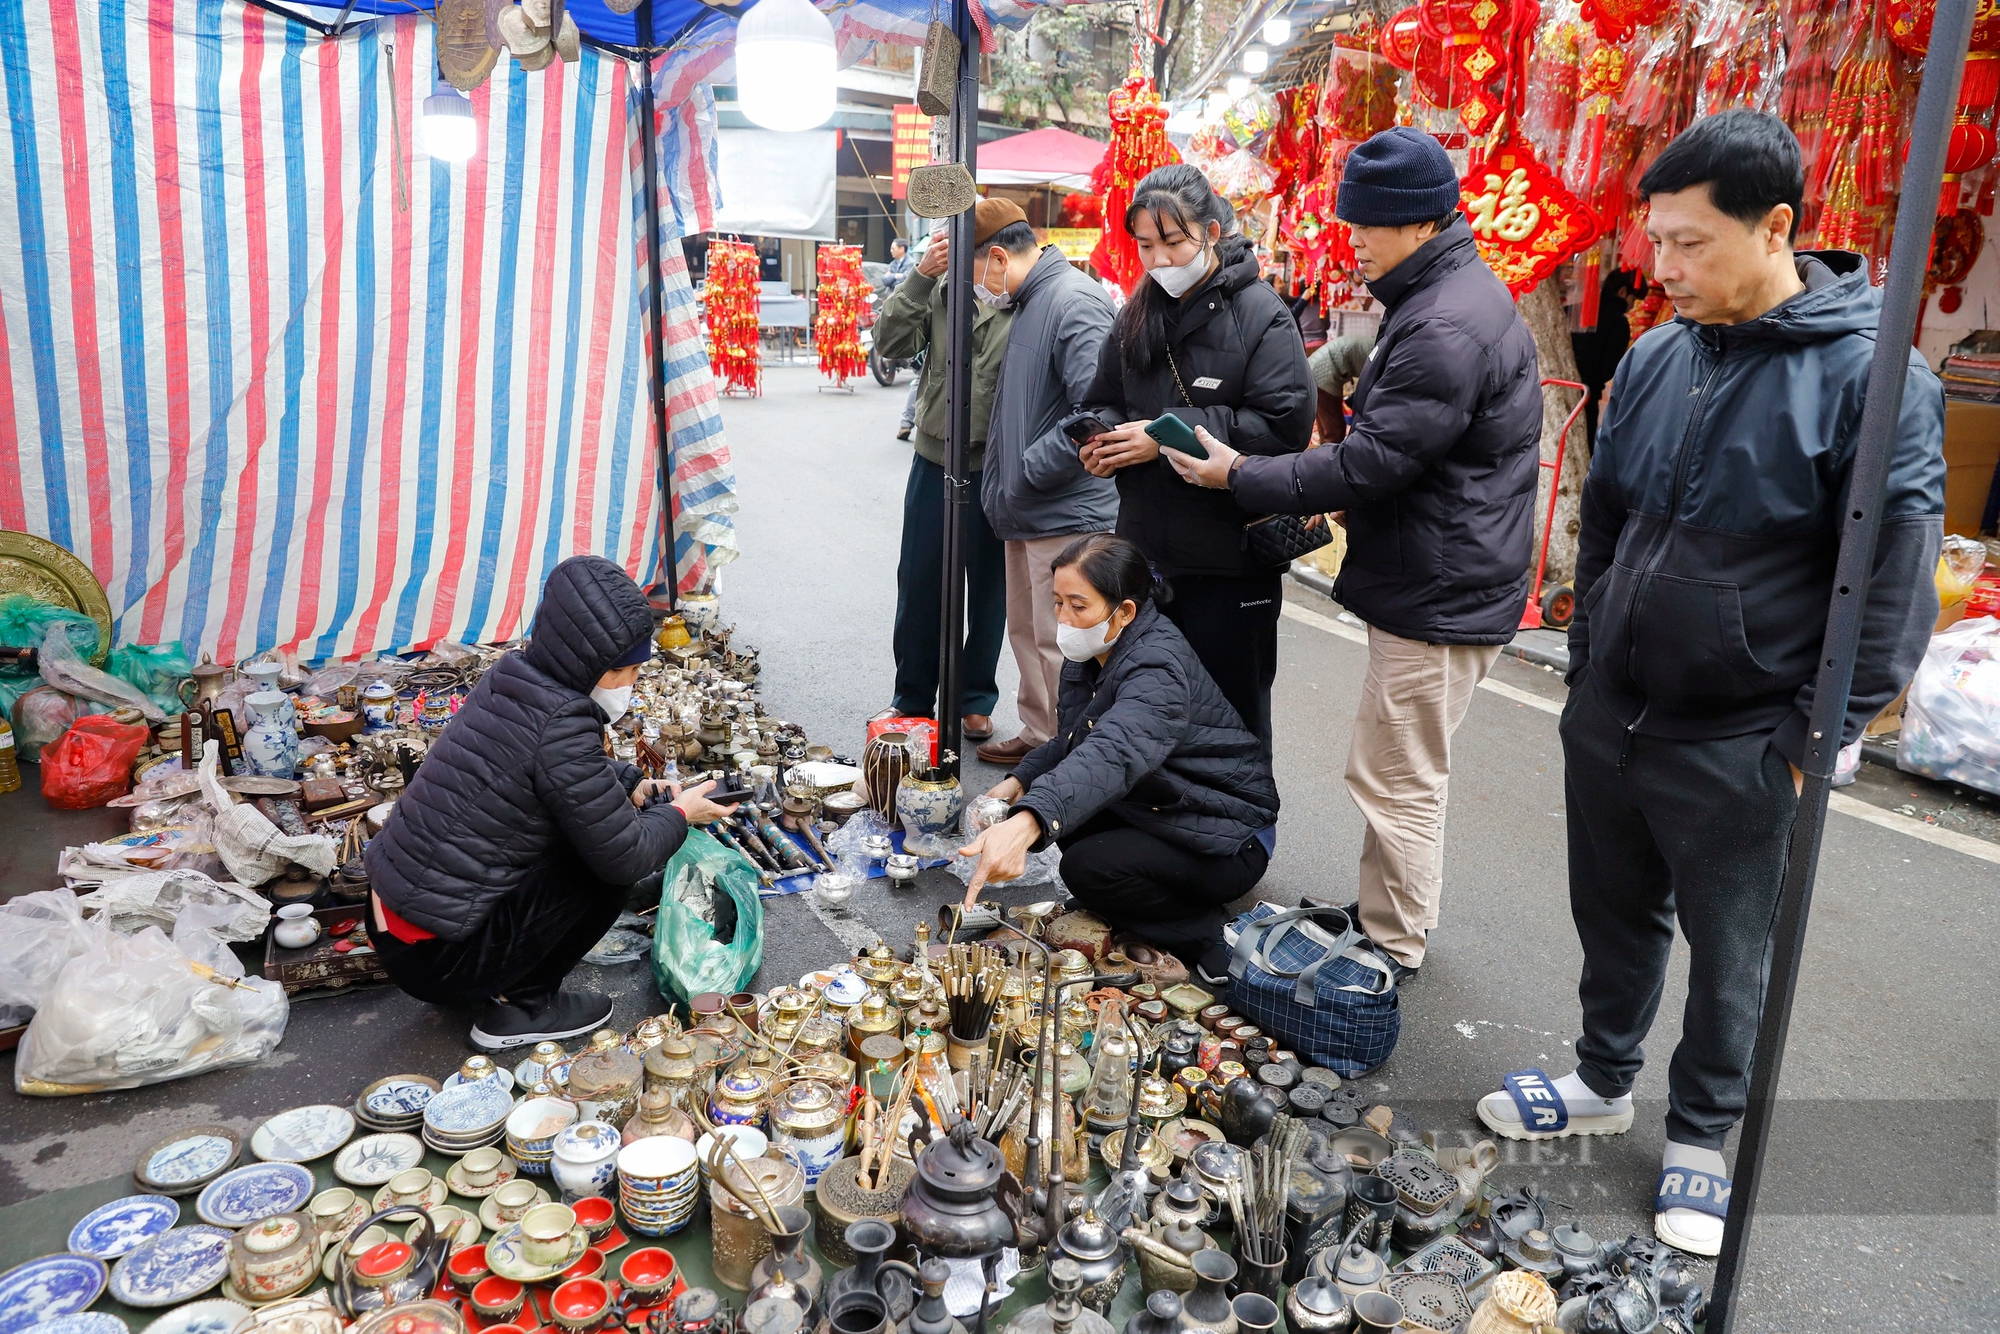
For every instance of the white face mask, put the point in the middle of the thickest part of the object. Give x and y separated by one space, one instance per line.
1082 643
613 701
1179 279
999 300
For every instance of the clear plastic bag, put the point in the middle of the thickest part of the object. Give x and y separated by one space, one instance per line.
39 933
709 934
91 763
130 903
251 847
1043 868
40 717
1951 722
135 1010
65 669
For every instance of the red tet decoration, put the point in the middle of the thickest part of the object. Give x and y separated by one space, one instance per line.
731 296
1972 144
1616 20
1138 144
1525 221
837 322
1401 38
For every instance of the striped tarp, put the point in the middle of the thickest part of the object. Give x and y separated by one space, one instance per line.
279 378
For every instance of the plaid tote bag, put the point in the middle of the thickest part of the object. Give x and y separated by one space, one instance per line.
1305 976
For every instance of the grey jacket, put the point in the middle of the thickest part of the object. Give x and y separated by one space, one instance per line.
1035 486
914 320
1149 737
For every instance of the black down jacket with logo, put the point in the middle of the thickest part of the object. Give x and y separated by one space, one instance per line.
1149 737
518 786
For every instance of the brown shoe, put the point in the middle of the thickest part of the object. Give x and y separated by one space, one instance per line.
975 727
1009 752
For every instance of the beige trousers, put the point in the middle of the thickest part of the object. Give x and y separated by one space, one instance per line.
1031 631
1398 770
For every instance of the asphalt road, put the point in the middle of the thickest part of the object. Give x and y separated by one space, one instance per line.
1880 1205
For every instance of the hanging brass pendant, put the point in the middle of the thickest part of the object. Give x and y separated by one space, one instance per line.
463 52
940 73
941 190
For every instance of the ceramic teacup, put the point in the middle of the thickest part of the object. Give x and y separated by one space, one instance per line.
412 1186
648 1272
497 1298
481 1166
467 1266
580 1303
545 1231
333 1212
596 1216
513 1200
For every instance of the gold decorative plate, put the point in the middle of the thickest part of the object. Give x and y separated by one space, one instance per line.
47 573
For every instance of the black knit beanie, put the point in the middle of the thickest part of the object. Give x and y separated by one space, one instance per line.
1397 177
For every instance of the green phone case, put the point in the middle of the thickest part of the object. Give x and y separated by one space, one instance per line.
1173 433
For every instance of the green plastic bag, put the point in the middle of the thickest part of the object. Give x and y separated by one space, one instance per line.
709 935
24 620
156 669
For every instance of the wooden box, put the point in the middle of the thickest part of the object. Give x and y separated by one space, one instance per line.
320 967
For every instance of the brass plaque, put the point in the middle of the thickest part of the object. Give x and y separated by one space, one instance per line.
464 54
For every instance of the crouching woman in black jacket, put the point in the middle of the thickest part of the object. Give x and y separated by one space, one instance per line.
1161 800
516 845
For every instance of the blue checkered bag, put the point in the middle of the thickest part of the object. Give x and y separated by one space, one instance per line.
1305 976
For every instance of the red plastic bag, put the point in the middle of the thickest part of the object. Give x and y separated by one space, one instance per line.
91 763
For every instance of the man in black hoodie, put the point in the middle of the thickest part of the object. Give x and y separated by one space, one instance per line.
1711 526
515 846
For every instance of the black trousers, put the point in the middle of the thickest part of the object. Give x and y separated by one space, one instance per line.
919 634
523 951
1661 831
1170 896
1232 624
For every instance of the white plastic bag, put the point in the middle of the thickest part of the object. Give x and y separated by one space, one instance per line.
129 903
39 933
1951 723
251 847
135 1010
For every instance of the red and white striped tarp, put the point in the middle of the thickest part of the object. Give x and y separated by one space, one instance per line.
281 379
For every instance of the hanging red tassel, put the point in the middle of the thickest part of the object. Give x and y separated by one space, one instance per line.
732 298
837 323
1138 144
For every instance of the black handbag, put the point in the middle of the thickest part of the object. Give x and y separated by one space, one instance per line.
1275 539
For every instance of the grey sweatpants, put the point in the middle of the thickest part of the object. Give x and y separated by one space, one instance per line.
1659 831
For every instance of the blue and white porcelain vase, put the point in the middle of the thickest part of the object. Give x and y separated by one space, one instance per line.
378 706
586 1159
928 804
271 746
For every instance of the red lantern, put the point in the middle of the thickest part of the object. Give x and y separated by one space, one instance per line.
1400 38
1971 147
1616 20
1525 221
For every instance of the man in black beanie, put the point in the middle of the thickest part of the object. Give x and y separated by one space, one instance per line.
1437 477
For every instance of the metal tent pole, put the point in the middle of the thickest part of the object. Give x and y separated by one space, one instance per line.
1875 445
958 382
668 575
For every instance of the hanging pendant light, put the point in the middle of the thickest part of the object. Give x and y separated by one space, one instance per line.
1237 86
785 65
1256 60
1277 31
450 134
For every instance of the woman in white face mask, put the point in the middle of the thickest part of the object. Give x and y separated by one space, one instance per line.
1159 797
1203 338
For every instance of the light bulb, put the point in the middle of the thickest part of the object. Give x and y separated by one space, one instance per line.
1277 31
1218 102
1237 86
785 65
450 132
1256 60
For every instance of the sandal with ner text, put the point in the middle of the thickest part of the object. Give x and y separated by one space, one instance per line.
1543 1114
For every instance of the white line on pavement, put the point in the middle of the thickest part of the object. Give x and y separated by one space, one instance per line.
1838 801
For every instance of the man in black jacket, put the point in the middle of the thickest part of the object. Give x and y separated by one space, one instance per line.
1437 478
513 849
1711 526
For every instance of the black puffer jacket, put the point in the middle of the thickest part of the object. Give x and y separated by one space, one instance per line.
1149 736
1239 354
1711 520
1438 472
518 786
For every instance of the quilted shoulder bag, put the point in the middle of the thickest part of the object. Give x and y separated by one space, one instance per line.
1306 975
1275 539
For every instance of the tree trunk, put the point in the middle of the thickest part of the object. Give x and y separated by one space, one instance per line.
1549 323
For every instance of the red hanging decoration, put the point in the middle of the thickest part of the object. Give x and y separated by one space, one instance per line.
1138 144
1972 144
731 296
837 321
1525 221
1616 20
1401 38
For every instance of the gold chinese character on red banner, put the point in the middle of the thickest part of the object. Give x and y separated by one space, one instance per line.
1525 221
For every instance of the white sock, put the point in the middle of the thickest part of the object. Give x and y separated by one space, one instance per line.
1692 1223
1578 1096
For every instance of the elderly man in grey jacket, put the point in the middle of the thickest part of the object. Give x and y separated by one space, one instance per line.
1036 494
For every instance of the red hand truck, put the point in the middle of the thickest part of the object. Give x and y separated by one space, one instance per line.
1553 606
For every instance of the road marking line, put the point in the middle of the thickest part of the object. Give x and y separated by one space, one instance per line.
1837 801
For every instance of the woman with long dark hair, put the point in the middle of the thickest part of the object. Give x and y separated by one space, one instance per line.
1203 339
1161 800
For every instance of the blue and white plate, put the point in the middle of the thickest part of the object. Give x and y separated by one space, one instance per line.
214 1316
303 1134
398 1097
182 1163
110 1230
86 1322
251 1194
171 1268
504 1078
373 1159
469 1108
41 1290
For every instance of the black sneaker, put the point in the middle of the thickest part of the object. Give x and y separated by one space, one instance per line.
1212 969
567 1014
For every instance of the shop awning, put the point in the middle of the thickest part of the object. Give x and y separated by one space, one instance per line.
1053 156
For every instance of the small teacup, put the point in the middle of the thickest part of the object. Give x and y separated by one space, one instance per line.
513 1200
545 1232
497 1298
648 1272
482 1166
412 1186
590 1266
596 1216
334 1211
580 1303
466 1267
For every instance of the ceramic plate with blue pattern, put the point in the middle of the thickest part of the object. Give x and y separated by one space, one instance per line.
185 1161
215 1316
175 1266
88 1322
303 1134
397 1097
41 1290
251 1194
110 1230
469 1108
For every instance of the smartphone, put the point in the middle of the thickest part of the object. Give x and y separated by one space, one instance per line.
1081 426
1173 433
